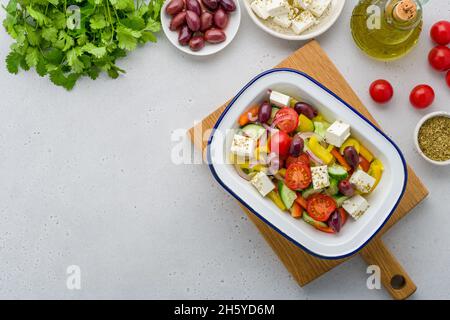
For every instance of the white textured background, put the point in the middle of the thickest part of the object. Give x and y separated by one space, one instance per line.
86 179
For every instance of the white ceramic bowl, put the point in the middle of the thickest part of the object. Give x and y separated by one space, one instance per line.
383 200
230 30
326 21
416 136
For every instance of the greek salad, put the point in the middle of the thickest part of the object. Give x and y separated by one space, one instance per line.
306 165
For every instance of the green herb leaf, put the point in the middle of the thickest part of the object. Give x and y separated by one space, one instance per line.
13 62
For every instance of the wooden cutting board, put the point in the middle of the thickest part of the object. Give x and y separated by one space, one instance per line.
312 60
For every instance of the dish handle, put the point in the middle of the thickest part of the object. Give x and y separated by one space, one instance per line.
393 277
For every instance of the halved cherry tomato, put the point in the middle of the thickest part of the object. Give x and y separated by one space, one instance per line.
298 176
321 206
244 117
279 142
364 163
303 158
286 119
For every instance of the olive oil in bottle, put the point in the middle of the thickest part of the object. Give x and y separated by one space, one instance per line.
386 29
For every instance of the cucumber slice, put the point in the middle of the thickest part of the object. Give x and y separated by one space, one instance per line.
287 195
333 188
337 172
340 200
253 131
313 222
320 128
309 192
272 115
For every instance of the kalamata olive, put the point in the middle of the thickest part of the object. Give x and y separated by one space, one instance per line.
264 113
228 5
174 7
194 5
193 20
178 21
221 18
306 109
206 21
211 4
196 43
297 145
346 188
352 157
184 35
335 221
215 36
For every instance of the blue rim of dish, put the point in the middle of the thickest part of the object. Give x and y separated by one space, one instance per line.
211 166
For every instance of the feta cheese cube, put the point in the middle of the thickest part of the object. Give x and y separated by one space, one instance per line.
277 7
262 183
362 181
259 8
302 22
283 21
243 146
318 7
337 133
279 99
320 177
355 206
304 4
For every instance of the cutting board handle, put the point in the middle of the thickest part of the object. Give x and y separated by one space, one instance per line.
393 277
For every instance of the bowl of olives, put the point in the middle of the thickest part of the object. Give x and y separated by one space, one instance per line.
200 27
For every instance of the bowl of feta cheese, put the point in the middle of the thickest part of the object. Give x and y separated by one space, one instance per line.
294 19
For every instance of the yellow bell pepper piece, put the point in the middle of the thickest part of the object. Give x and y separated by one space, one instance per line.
330 147
275 197
320 151
305 124
365 153
319 118
351 142
282 172
261 152
376 171
293 102
257 167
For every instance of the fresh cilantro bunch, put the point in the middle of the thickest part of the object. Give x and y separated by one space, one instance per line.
67 39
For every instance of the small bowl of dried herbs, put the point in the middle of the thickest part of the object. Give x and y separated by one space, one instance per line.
432 138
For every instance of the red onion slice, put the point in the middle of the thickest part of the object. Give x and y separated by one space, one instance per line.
313 157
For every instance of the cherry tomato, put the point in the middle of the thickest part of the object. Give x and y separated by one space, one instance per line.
321 206
303 158
298 176
440 32
279 142
381 91
286 119
421 96
344 215
439 58
447 78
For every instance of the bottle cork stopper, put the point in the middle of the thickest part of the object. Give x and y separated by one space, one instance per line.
405 10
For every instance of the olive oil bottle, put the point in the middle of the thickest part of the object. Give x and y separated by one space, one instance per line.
387 29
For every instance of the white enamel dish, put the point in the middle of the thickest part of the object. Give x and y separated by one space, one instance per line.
325 22
383 200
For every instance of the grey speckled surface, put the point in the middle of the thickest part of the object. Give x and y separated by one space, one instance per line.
86 179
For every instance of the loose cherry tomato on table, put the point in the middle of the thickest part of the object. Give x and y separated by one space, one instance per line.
421 96
439 58
321 206
381 91
447 78
440 32
303 158
286 119
298 176
279 142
